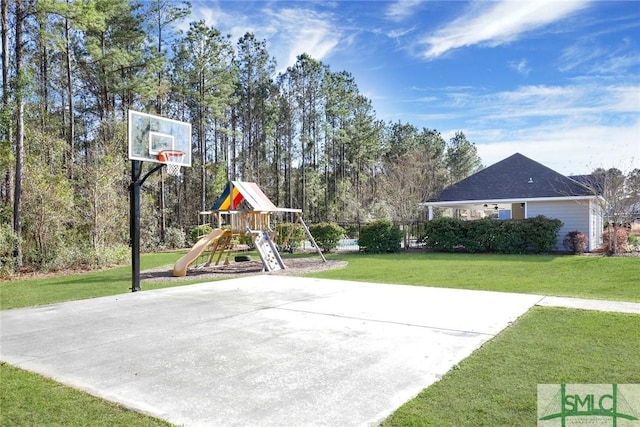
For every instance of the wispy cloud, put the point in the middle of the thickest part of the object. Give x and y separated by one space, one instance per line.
616 64
209 12
304 31
574 56
586 57
233 24
521 67
402 9
578 104
496 23
290 31
564 127
568 150
397 33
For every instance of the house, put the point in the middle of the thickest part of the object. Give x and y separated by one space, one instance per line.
518 188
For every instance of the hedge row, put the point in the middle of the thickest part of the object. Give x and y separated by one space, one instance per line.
534 235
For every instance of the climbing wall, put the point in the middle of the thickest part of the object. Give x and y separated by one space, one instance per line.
268 252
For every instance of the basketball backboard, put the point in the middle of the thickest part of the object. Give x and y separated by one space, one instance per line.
151 135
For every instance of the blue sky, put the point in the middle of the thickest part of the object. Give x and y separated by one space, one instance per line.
558 81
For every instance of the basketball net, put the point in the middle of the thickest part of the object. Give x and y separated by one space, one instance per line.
173 169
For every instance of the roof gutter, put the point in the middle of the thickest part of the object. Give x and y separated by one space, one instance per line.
494 201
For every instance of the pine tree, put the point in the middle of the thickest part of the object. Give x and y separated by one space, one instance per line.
462 158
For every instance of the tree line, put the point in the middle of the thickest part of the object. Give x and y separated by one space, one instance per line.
72 69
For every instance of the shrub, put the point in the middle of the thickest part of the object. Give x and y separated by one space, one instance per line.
575 242
441 234
380 236
199 232
540 233
175 238
149 241
75 257
614 240
296 239
149 225
8 244
244 239
85 256
479 236
633 242
535 235
511 238
327 235
113 255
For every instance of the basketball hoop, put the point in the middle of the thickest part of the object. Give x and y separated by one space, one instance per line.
173 156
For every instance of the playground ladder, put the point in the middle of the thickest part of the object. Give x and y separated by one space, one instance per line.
223 244
267 250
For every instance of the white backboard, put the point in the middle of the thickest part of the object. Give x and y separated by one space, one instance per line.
149 135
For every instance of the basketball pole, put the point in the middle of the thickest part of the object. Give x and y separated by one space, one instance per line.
134 218
134 223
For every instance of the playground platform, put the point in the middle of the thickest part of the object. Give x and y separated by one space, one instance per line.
263 350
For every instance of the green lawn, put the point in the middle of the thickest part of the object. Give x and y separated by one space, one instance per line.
495 386
58 288
31 400
609 278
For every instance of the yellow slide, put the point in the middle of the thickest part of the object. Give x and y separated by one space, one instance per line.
180 268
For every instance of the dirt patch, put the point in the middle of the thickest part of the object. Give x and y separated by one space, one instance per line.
295 266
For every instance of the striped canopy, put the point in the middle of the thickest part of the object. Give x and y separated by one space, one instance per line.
237 191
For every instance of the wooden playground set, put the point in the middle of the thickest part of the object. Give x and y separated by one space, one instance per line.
242 210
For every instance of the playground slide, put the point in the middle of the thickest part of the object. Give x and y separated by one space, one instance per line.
268 252
180 267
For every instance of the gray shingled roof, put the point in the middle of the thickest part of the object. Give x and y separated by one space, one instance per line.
516 177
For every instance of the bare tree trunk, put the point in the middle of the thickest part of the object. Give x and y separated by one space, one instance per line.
4 13
105 111
44 71
161 201
17 198
202 143
72 129
4 8
232 160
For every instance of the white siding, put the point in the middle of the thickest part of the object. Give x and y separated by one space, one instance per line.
595 239
575 215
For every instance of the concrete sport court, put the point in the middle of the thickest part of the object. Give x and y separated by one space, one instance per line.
264 350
